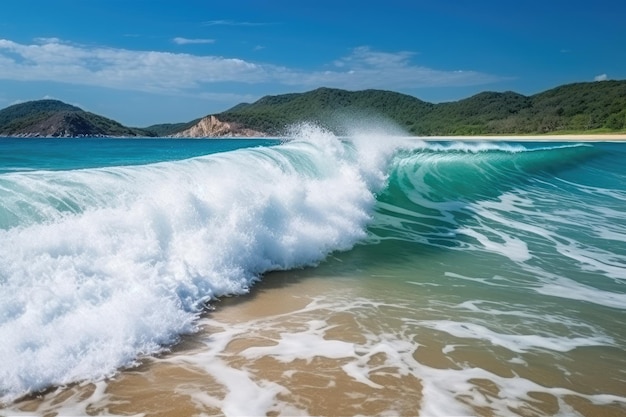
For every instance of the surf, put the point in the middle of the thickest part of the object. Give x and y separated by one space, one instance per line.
100 267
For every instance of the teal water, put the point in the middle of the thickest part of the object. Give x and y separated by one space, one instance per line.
493 273
26 154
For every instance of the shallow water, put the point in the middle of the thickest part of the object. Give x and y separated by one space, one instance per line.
308 344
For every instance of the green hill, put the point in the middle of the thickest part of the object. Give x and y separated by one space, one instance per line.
593 106
57 119
474 115
333 108
34 110
573 108
167 129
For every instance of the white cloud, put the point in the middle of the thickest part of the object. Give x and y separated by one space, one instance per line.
232 23
185 41
601 77
149 71
366 68
47 40
364 57
180 73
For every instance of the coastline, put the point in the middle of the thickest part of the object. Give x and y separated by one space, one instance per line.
610 137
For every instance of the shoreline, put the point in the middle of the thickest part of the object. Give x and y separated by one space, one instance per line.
247 350
609 137
597 137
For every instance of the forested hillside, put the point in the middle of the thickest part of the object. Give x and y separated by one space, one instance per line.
57 119
575 108
333 108
167 129
594 106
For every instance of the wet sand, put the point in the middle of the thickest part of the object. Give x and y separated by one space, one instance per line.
282 351
193 377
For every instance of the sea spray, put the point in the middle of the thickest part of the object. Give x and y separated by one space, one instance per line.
101 266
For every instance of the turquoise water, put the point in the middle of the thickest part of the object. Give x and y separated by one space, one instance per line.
27 154
461 262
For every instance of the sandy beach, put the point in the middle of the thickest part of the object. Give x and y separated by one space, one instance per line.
537 138
287 348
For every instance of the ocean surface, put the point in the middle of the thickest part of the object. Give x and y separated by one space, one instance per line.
313 275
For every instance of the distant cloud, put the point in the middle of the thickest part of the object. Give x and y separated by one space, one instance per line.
148 71
367 68
232 23
185 41
364 57
47 40
601 77
182 74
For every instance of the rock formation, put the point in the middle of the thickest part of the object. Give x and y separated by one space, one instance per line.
212 127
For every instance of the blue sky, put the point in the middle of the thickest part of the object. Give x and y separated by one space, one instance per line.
155 61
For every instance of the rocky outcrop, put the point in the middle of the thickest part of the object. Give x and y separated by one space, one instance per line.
212 127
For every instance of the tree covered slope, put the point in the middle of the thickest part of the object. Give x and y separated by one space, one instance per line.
581 107
573 107
57 119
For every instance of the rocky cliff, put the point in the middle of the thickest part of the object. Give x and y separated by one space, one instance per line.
212 127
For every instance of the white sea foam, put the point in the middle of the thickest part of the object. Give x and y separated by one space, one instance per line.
109 264
518 343
453 390
567 288
74 404
303 345
551 228
476 147
510 247
527 314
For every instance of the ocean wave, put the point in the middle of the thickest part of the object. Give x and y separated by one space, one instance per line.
101 266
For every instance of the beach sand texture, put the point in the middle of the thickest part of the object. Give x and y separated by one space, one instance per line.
294 347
